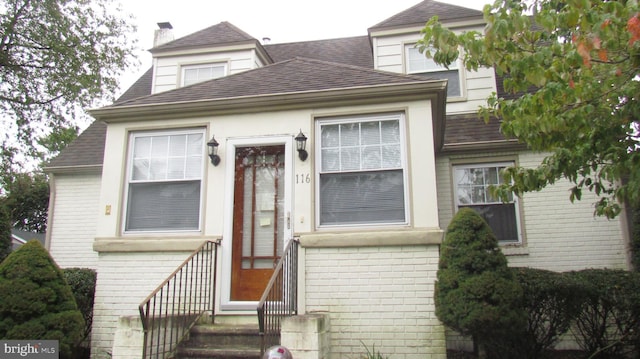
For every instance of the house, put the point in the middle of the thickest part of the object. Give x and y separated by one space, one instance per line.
393 149
20 237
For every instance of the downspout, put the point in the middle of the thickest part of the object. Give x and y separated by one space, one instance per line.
52 200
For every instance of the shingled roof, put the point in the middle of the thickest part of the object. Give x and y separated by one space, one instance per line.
419 14
220 34
354 51
342 63
296 75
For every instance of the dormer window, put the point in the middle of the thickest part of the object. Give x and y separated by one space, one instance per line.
193 74
418 64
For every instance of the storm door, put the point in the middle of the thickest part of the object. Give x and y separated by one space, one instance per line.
258 219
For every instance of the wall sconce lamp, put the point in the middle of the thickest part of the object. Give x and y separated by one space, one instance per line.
213 151
301 143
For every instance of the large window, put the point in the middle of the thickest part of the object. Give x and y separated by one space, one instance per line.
418 63
472 184
197 73
164 181
361 172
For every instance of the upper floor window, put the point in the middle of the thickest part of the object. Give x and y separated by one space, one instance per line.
418 63
197 73
164 181
361 176
472 184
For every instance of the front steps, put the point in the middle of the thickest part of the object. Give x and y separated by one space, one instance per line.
221 340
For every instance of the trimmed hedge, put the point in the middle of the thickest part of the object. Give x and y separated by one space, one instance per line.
600 307
35 300
608 322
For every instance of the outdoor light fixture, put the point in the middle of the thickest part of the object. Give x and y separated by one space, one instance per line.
213 151
301 141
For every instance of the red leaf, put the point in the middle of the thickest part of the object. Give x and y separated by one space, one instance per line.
633 26
602 55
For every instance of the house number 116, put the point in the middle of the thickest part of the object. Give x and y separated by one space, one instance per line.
303 178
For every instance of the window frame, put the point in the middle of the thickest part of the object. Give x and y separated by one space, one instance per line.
333 120
185 68
515 199
456 65
129 169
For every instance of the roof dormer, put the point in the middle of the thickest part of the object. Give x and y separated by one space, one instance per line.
214 52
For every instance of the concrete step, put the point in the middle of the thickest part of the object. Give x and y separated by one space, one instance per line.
221 340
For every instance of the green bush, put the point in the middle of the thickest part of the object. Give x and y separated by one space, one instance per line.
82 282
608 323
5 231
35 301
551 301
475 292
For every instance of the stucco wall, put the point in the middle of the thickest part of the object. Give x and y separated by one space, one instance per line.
558 235
376 296
74 211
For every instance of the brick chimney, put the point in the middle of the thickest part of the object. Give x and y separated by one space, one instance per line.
163 34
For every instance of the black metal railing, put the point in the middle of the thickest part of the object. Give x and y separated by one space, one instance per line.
169 312
279 299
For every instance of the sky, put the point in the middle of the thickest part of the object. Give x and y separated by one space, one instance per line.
280 20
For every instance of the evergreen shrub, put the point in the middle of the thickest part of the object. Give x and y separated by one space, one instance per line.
36 302
551 301
82 282
608 322
475 292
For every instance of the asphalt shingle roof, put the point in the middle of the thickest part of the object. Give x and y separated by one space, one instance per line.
290 76
419 14
355 51
86 150
300 66
219 34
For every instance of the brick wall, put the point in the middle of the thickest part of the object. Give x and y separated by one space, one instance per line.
377 296
558 235
124 281
75 210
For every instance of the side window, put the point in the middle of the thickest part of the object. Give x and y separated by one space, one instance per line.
193 74
361 175
164 181
472 184
419 64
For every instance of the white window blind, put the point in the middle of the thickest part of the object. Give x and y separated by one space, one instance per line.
199 73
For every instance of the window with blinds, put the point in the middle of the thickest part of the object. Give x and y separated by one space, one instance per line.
419 64
472 189
193 74
362 171
164 181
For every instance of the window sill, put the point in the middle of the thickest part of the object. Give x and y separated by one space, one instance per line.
515 250
149 244
421 236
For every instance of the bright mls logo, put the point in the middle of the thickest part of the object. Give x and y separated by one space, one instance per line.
39 349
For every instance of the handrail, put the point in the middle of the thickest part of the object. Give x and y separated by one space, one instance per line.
169 312
279 299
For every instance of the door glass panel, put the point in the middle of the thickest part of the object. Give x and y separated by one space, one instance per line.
263 215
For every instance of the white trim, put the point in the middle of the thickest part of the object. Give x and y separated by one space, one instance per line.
226 304
400 116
